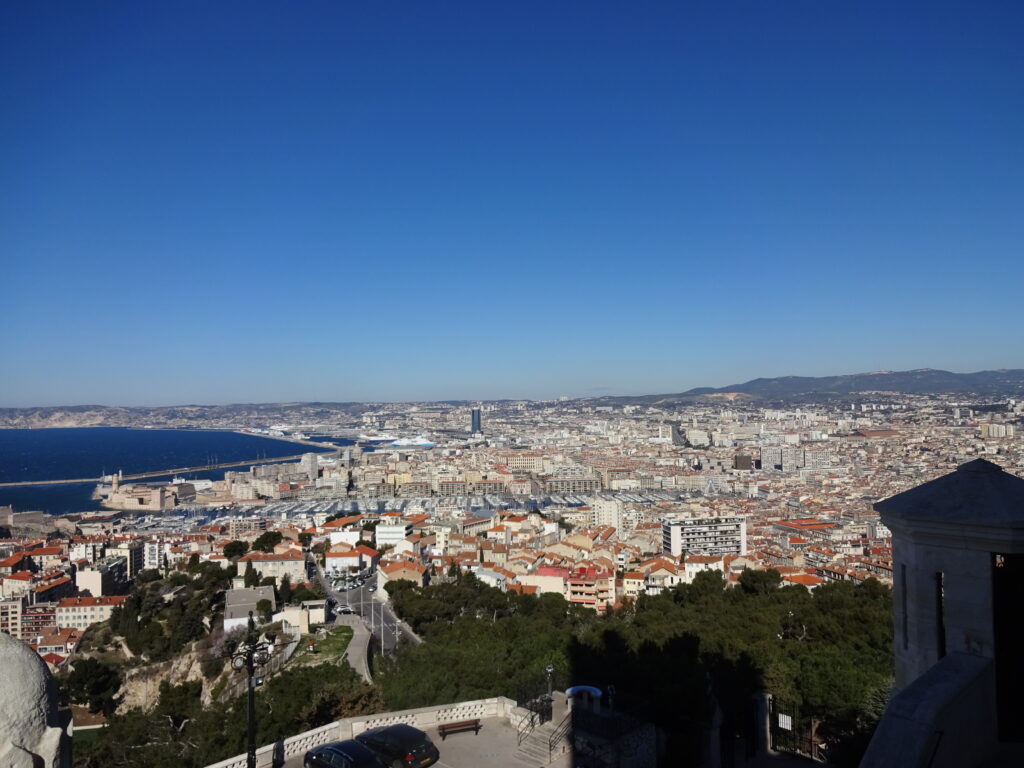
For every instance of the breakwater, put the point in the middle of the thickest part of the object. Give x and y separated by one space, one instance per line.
159 472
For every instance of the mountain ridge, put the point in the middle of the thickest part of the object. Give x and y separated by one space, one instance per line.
919 381
1001 382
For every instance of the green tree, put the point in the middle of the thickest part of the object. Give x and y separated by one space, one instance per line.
95 684
251 577
265 610
305 539
760 582
267 541
284 590
235 549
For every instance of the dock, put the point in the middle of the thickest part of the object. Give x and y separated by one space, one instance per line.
161 472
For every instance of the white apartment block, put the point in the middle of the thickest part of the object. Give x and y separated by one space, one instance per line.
391 533
704 535
607 512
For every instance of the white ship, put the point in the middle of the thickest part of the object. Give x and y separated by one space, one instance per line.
412 442
377 438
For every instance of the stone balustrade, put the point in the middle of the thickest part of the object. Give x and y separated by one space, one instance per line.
423 718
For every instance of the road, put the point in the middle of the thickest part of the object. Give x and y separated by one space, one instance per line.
376 614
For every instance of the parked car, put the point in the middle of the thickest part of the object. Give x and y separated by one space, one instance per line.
400 746
344 609
342 754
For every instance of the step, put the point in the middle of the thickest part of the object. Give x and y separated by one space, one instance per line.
535 746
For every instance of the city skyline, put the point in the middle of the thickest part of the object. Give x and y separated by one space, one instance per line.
244 203
759 389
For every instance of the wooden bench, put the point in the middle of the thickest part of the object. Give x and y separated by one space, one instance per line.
462 725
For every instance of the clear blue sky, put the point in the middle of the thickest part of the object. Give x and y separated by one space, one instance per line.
243 202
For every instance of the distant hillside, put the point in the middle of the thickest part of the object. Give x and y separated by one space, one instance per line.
1001 383
178 415
923 381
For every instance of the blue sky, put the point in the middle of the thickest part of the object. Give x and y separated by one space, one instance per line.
245 202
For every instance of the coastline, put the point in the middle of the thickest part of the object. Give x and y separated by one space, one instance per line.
59 491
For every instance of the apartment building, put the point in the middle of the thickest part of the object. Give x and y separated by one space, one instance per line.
591 587
81 612
571 484
389 534
10 616
291 564
704 535
108 577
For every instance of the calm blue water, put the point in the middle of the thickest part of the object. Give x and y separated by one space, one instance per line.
55 454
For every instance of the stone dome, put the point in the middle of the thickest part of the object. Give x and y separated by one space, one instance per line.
28 707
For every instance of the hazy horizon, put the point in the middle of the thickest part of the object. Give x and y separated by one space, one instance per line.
635 392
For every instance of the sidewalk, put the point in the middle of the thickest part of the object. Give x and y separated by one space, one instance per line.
358 651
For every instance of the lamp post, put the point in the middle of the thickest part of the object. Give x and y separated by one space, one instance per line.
248 656
549 702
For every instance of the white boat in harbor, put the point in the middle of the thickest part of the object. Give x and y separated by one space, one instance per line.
377 438
412 442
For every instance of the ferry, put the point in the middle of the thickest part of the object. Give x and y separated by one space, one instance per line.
377 438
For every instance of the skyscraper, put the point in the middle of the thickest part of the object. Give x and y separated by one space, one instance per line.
475 416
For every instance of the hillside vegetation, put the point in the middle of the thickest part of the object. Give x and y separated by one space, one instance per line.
825 656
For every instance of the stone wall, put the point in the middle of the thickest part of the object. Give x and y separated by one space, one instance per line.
944 719
422 718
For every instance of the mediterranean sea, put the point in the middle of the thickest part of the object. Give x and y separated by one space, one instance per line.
57 454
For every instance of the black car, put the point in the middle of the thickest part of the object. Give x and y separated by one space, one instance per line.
341 754
400 746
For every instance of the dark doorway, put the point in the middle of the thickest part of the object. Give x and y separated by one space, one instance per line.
1008 625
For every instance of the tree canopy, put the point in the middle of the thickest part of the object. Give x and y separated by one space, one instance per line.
162 616
180 732
267 541
826 653
94 684
235 549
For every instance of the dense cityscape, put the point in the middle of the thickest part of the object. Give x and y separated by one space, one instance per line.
600 505
511 384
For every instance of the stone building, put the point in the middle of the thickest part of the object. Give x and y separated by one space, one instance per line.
958 556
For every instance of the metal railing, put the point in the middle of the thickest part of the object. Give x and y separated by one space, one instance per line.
526 727
560 732
539 708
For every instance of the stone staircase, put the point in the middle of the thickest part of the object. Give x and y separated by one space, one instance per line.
534 749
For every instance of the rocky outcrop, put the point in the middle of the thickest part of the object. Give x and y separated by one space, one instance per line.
141 688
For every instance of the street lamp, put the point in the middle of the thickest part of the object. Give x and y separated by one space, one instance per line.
549 703
248 656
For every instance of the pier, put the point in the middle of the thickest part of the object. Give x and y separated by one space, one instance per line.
162 472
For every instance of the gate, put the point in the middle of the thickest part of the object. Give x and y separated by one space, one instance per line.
789 731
